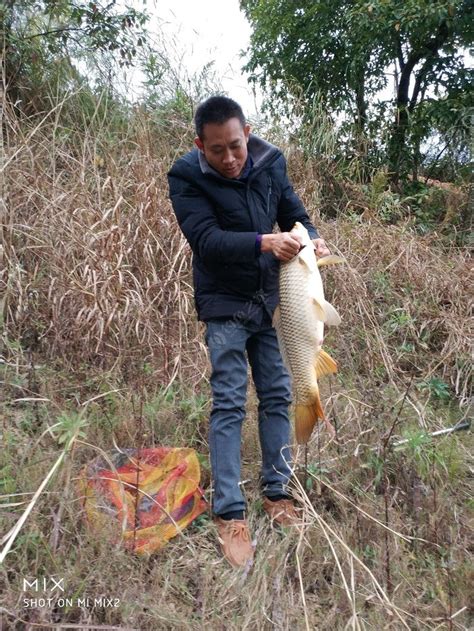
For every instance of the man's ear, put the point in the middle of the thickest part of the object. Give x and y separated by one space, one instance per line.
198 143
247 131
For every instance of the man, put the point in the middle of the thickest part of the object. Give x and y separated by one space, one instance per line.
227 194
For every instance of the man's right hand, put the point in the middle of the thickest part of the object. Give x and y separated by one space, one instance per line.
283 245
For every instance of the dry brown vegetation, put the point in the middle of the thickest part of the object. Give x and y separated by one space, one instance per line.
101 347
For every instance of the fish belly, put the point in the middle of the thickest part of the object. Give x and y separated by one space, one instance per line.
302 333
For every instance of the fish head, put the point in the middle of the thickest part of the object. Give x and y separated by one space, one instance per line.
300 230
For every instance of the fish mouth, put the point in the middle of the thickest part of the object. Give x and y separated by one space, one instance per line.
301 248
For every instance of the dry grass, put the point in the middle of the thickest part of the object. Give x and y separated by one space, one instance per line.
93 235
100 326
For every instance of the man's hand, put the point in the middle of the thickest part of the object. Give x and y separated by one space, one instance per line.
283 245
321 248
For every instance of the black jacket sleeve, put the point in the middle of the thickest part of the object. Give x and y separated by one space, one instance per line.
199 224
291 209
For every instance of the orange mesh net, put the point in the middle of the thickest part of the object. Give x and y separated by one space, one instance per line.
144 496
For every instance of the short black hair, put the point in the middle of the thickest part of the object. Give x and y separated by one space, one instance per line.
216 109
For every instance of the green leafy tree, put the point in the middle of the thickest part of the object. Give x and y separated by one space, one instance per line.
344 50
40 39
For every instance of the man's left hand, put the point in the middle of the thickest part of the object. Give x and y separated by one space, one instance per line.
321 248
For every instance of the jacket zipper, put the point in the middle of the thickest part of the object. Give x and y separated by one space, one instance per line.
269 194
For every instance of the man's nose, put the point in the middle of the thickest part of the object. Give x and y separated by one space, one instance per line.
228 157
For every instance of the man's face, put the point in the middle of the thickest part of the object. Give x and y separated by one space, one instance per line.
225 146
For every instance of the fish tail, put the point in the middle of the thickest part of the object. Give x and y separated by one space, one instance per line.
306 417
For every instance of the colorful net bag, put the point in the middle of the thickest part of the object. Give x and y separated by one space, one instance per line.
144 496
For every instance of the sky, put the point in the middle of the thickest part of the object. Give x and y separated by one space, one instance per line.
193 33
196 32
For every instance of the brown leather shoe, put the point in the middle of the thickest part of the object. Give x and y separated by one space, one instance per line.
234 537
283 512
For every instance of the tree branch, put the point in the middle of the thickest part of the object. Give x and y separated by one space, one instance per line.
55 31
433 46
420 77
401 61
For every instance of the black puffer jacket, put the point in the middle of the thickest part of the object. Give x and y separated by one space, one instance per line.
220 218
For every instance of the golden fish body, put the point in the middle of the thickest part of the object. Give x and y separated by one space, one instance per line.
299 321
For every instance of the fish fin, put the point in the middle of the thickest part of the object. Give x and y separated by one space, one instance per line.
332 316
303 261
306 417
325 365
332 259
276 323
320 310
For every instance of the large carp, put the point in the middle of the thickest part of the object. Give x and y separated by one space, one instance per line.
299 322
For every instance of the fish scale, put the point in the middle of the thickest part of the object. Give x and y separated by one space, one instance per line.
299 321
295 317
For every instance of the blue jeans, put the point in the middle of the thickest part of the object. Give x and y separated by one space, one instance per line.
229 343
